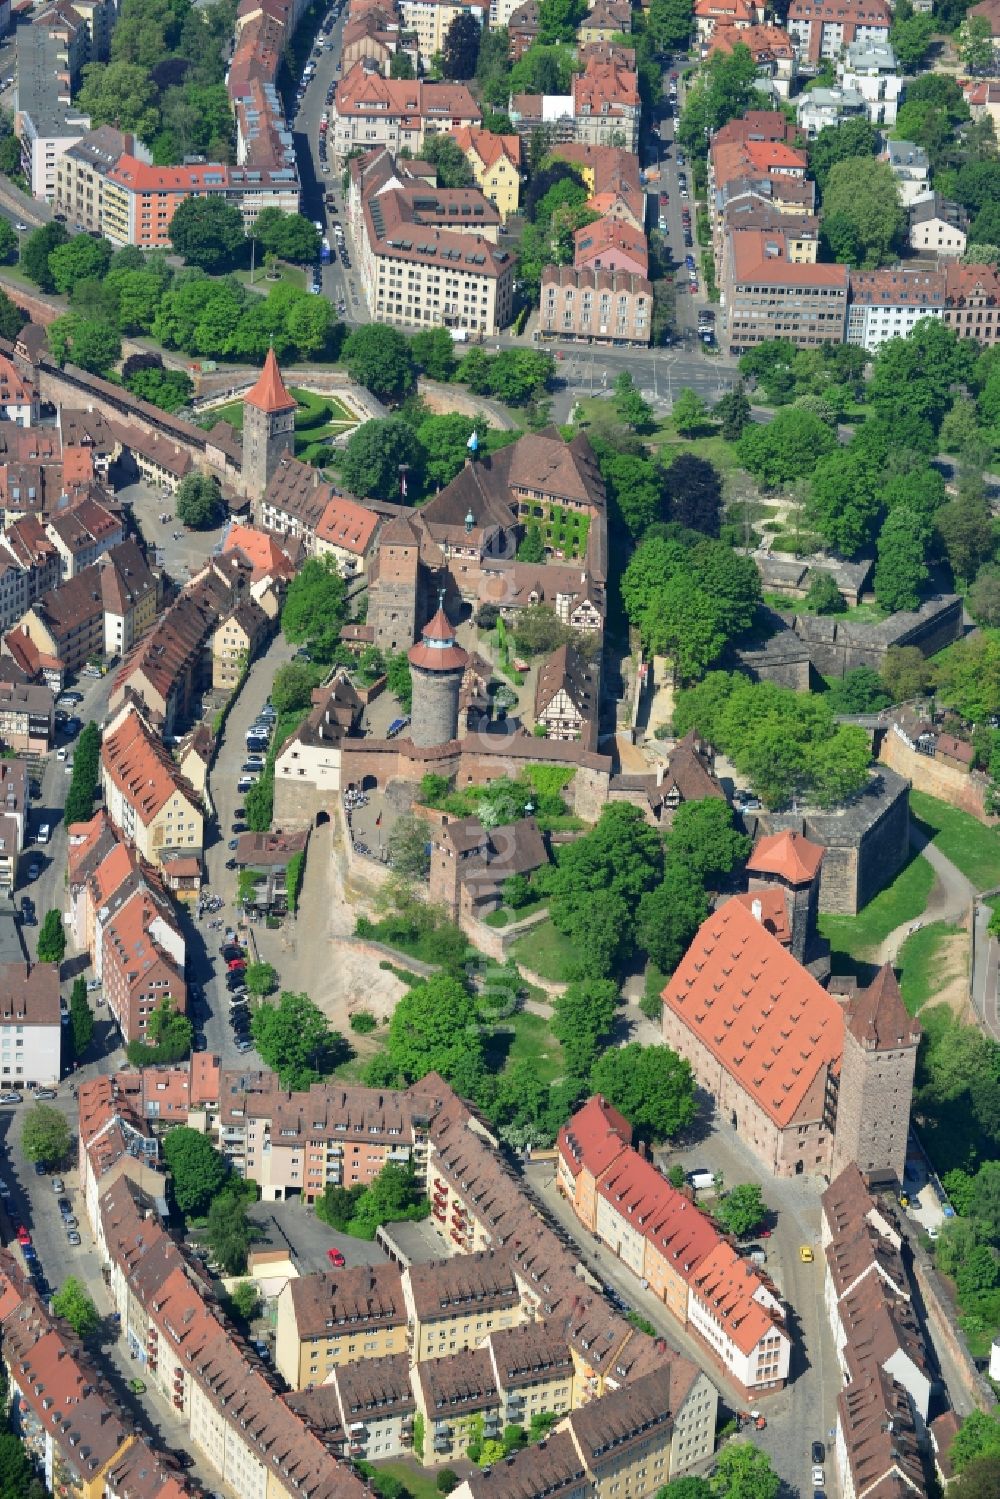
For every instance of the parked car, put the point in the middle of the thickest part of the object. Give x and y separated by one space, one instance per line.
23 1236
818 1454
93 984
10 1097
335 1257
73 1237
244 1046
43 1095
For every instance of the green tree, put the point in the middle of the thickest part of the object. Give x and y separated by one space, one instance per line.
823 596
292 686
902 570
690 1487
862 195
408 851
928 364
198 501
651 1085
37 248
724 89
981 1479
741 1210
168 389
81 1019
859 691
375 458
17 1476
966 530
379 358
198 1172
434 1028
400 66
120 94
315 606
290 236
538 630
400 680
79 258
261 978
906 672
635 487
835 143
978 1272
695 489
461 47
583 1016
789 447
45 1136
92 345
518 376
393 1196
294 1038
445 155
75 1306
12 317
443 447
911 39
733 411
669 915
433 349
52 938
208 232
984 596
743 1471
532 546
244 1299
977 1437
635 412
689 412
83 781
668 23
976 45
229 1232
704 838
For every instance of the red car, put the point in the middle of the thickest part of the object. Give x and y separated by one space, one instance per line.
335 1257
238 965
23 1237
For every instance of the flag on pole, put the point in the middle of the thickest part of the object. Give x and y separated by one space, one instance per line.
402 485
378 820
473 443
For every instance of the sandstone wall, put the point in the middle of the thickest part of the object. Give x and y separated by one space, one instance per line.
956 787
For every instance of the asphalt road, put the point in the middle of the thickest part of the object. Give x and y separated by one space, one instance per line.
338 284
206 969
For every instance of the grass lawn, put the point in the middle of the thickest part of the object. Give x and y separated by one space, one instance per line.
318 420
903 900
293 274
545 951
534 1042
925 963
508 917
971 847
420 1482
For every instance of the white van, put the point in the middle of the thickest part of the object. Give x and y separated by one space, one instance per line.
701 1179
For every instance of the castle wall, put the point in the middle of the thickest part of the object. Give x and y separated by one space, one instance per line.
867 841
959 788
837 644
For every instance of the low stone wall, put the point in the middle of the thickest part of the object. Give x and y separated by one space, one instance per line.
959 788
444 398
39 308
497 941
977 1387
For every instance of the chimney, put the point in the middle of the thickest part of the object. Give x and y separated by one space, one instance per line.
758 910
659 774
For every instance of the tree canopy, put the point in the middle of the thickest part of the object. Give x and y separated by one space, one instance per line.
208 232
315 606
198 502
45 1136
651 1085
294 1038
197 1171
379 358
75 1306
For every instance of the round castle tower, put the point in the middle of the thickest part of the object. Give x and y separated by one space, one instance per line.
438 664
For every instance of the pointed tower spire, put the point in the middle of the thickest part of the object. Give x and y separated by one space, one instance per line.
269 394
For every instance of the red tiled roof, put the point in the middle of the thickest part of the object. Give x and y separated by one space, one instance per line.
594 1137
756 1010
787 854
269 394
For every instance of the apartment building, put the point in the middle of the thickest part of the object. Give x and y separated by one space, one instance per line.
71 1434
83 533
523 25
612 178
605 20
496 164
606 105
431 20
36 558
19 400
237 640
342 1318
456 1397
138 974
889 304
81 173
416 273
294 1144
145 794
346 531
972 302
294 502
30 1025
910 165
371 111
91 613
766 294
663 1239
13 820
46 122
367 1407
871 69
452 1304
27 717
611 245
600 306
739 15
938 227
772 49
823 28
532 1369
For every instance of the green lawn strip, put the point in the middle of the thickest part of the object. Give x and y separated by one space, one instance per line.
546 952
508 917
903 900
921 962
262 282
527 1038
353 1070
418 1482
971 847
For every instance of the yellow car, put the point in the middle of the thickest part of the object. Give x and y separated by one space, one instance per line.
805 1254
